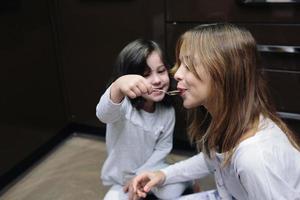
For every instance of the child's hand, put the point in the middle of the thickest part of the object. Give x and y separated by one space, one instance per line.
128 188
129 85
145 181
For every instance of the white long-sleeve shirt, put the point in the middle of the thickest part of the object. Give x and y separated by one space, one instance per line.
135 140
265 166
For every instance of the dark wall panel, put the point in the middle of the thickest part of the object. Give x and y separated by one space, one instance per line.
31 103
56 58
92 33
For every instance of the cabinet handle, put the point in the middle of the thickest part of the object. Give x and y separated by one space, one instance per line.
279 49
268 1
287 115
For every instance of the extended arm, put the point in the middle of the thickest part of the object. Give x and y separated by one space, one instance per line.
190 169
109 107
129 85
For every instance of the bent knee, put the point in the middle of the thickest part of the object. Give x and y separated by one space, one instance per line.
171 191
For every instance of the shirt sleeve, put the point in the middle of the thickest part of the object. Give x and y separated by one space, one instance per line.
186 170
107 111
163 146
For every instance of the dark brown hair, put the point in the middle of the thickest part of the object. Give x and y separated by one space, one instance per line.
133 60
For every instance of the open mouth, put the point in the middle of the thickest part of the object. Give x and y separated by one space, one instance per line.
181 91
158 91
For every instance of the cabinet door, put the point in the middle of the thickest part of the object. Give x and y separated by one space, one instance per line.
230 10
31 101
285 87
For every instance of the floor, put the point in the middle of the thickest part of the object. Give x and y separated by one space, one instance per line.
71 172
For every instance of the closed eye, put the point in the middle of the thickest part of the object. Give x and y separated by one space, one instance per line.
162 71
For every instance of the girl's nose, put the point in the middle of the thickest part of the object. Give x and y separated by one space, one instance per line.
155 79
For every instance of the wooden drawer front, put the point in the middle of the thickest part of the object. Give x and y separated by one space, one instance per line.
281 61
285 87
273 34
230 10
279 45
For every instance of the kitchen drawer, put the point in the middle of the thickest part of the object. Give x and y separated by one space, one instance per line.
275 34
230 10
284 87
279 45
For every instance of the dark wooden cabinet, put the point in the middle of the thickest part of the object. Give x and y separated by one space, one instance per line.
230 10
56 59
284 89
31 100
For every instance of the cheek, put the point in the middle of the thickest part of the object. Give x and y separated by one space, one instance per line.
148 79
191 81
167 78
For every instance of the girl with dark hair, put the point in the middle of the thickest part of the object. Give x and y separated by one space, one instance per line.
139 120
243 142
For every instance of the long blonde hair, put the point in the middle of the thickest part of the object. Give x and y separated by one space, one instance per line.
229 55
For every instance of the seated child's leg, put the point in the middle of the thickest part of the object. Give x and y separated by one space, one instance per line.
207 195
170 191
116 193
